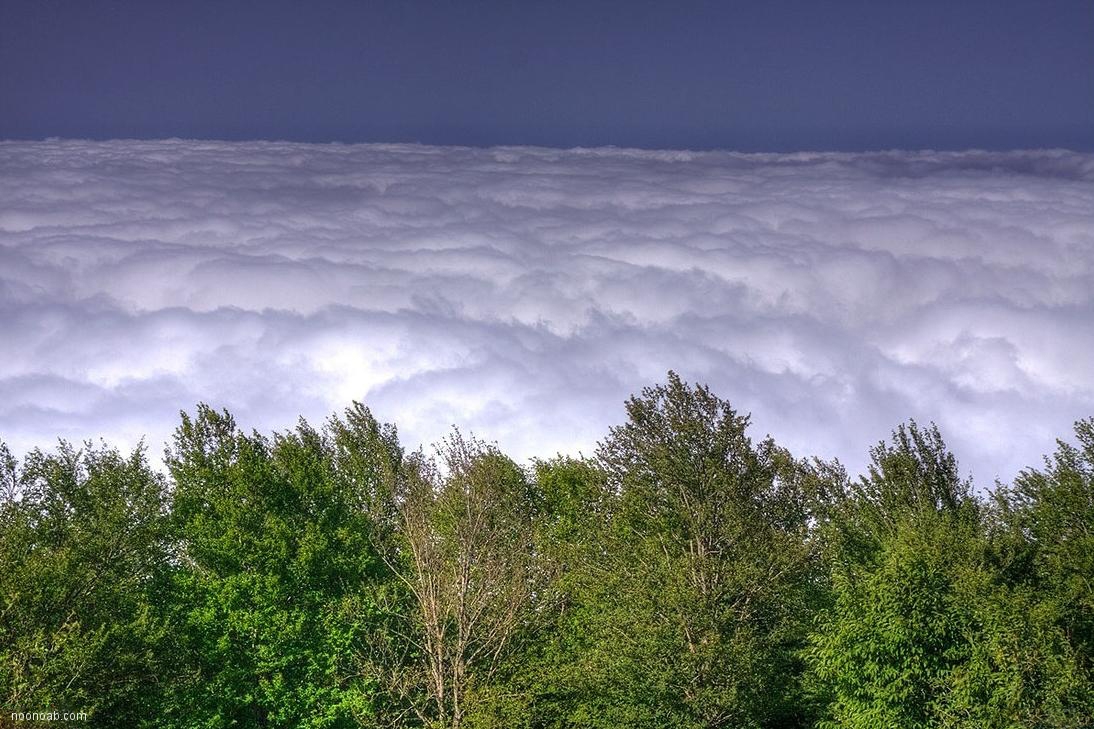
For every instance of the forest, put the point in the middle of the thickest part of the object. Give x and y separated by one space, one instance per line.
687 574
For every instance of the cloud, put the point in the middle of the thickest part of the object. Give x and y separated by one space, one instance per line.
523 293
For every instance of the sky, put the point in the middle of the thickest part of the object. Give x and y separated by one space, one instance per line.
776 75
522 293
510 216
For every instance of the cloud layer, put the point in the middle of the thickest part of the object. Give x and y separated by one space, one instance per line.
523 293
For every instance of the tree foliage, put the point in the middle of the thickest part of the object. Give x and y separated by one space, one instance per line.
926 628
83 542
275 590
467 562
687 575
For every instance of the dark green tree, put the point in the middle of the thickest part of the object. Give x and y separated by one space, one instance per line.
82 541
709 597
684 577
1035 659
551 680
898 626
1053 509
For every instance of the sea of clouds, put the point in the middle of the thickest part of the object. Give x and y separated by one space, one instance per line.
524 293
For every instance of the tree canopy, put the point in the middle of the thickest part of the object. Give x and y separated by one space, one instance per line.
689 574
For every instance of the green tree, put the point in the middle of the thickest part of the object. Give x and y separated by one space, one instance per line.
1053 509
684 577
551 680
1035 658
710 594
279 570
897 626
82 540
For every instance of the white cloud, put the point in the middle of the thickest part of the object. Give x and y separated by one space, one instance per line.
524 293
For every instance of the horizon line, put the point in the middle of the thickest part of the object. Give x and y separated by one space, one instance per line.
557 148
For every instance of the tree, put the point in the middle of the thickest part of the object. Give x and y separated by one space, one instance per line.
684 577
906 559
275 591
1054 510
550 681
467 562
82 542
710 551
1036 660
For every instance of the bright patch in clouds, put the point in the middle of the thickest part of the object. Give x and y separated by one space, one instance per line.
523 293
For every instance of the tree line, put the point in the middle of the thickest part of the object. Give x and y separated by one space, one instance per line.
686 575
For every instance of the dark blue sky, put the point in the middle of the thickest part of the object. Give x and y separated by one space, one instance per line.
764 75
